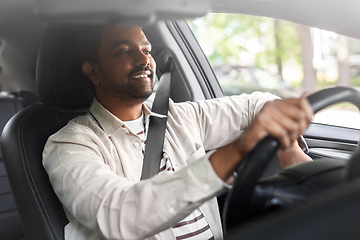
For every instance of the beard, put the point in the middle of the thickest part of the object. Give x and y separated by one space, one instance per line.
131 90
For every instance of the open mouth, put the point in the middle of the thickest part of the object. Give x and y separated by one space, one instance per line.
141 76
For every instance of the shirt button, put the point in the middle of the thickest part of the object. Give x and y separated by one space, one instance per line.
136 144
171 210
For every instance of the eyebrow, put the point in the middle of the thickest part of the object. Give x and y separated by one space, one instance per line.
128 42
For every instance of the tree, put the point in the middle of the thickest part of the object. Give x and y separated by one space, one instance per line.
342 55
229 39
278 46
307 56
223 36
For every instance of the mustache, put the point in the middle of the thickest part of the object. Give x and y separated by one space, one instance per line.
141 69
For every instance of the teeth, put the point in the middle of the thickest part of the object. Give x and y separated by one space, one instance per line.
140 76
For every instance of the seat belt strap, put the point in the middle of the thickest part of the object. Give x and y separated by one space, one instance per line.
157 126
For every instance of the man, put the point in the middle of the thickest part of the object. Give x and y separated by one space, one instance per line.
95 162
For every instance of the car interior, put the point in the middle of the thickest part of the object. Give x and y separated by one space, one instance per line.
43 87
9 218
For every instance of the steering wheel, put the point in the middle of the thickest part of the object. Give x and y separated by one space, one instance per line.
238 206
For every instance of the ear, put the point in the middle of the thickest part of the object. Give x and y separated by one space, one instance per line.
89 69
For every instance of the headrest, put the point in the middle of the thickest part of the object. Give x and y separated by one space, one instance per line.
59 77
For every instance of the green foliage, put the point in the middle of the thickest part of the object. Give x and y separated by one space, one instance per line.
289 42
355 81
224 37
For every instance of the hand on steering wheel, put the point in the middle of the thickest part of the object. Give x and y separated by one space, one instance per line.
283 119
239 203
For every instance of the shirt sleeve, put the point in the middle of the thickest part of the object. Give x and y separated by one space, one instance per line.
221 120
110 204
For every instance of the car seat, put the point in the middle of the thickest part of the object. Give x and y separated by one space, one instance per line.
65 93
10 224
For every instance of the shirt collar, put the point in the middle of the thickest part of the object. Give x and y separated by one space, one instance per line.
110 123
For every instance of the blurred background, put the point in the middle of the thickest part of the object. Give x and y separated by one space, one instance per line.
250 53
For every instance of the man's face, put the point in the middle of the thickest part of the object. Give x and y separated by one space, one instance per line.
126 69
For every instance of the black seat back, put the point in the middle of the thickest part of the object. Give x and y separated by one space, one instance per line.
10 224
65 93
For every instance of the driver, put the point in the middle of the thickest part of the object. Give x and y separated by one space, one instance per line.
95 161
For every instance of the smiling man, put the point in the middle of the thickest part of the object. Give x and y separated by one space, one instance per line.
124 72
95 162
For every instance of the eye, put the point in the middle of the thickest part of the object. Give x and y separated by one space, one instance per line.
147 52
122 52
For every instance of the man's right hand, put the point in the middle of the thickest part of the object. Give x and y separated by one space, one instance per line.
283 119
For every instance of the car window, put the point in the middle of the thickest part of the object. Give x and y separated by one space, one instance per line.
250 53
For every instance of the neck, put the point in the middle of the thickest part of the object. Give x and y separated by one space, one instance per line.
125 111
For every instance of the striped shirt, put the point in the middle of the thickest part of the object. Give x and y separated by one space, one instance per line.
194 226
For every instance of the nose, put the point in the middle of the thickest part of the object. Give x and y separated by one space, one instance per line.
142 59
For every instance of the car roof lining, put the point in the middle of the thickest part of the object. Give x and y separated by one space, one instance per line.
338 16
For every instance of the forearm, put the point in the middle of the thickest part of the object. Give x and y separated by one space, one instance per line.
220 121
292 155
283 119
225 160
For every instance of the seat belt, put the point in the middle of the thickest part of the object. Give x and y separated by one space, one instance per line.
157 125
